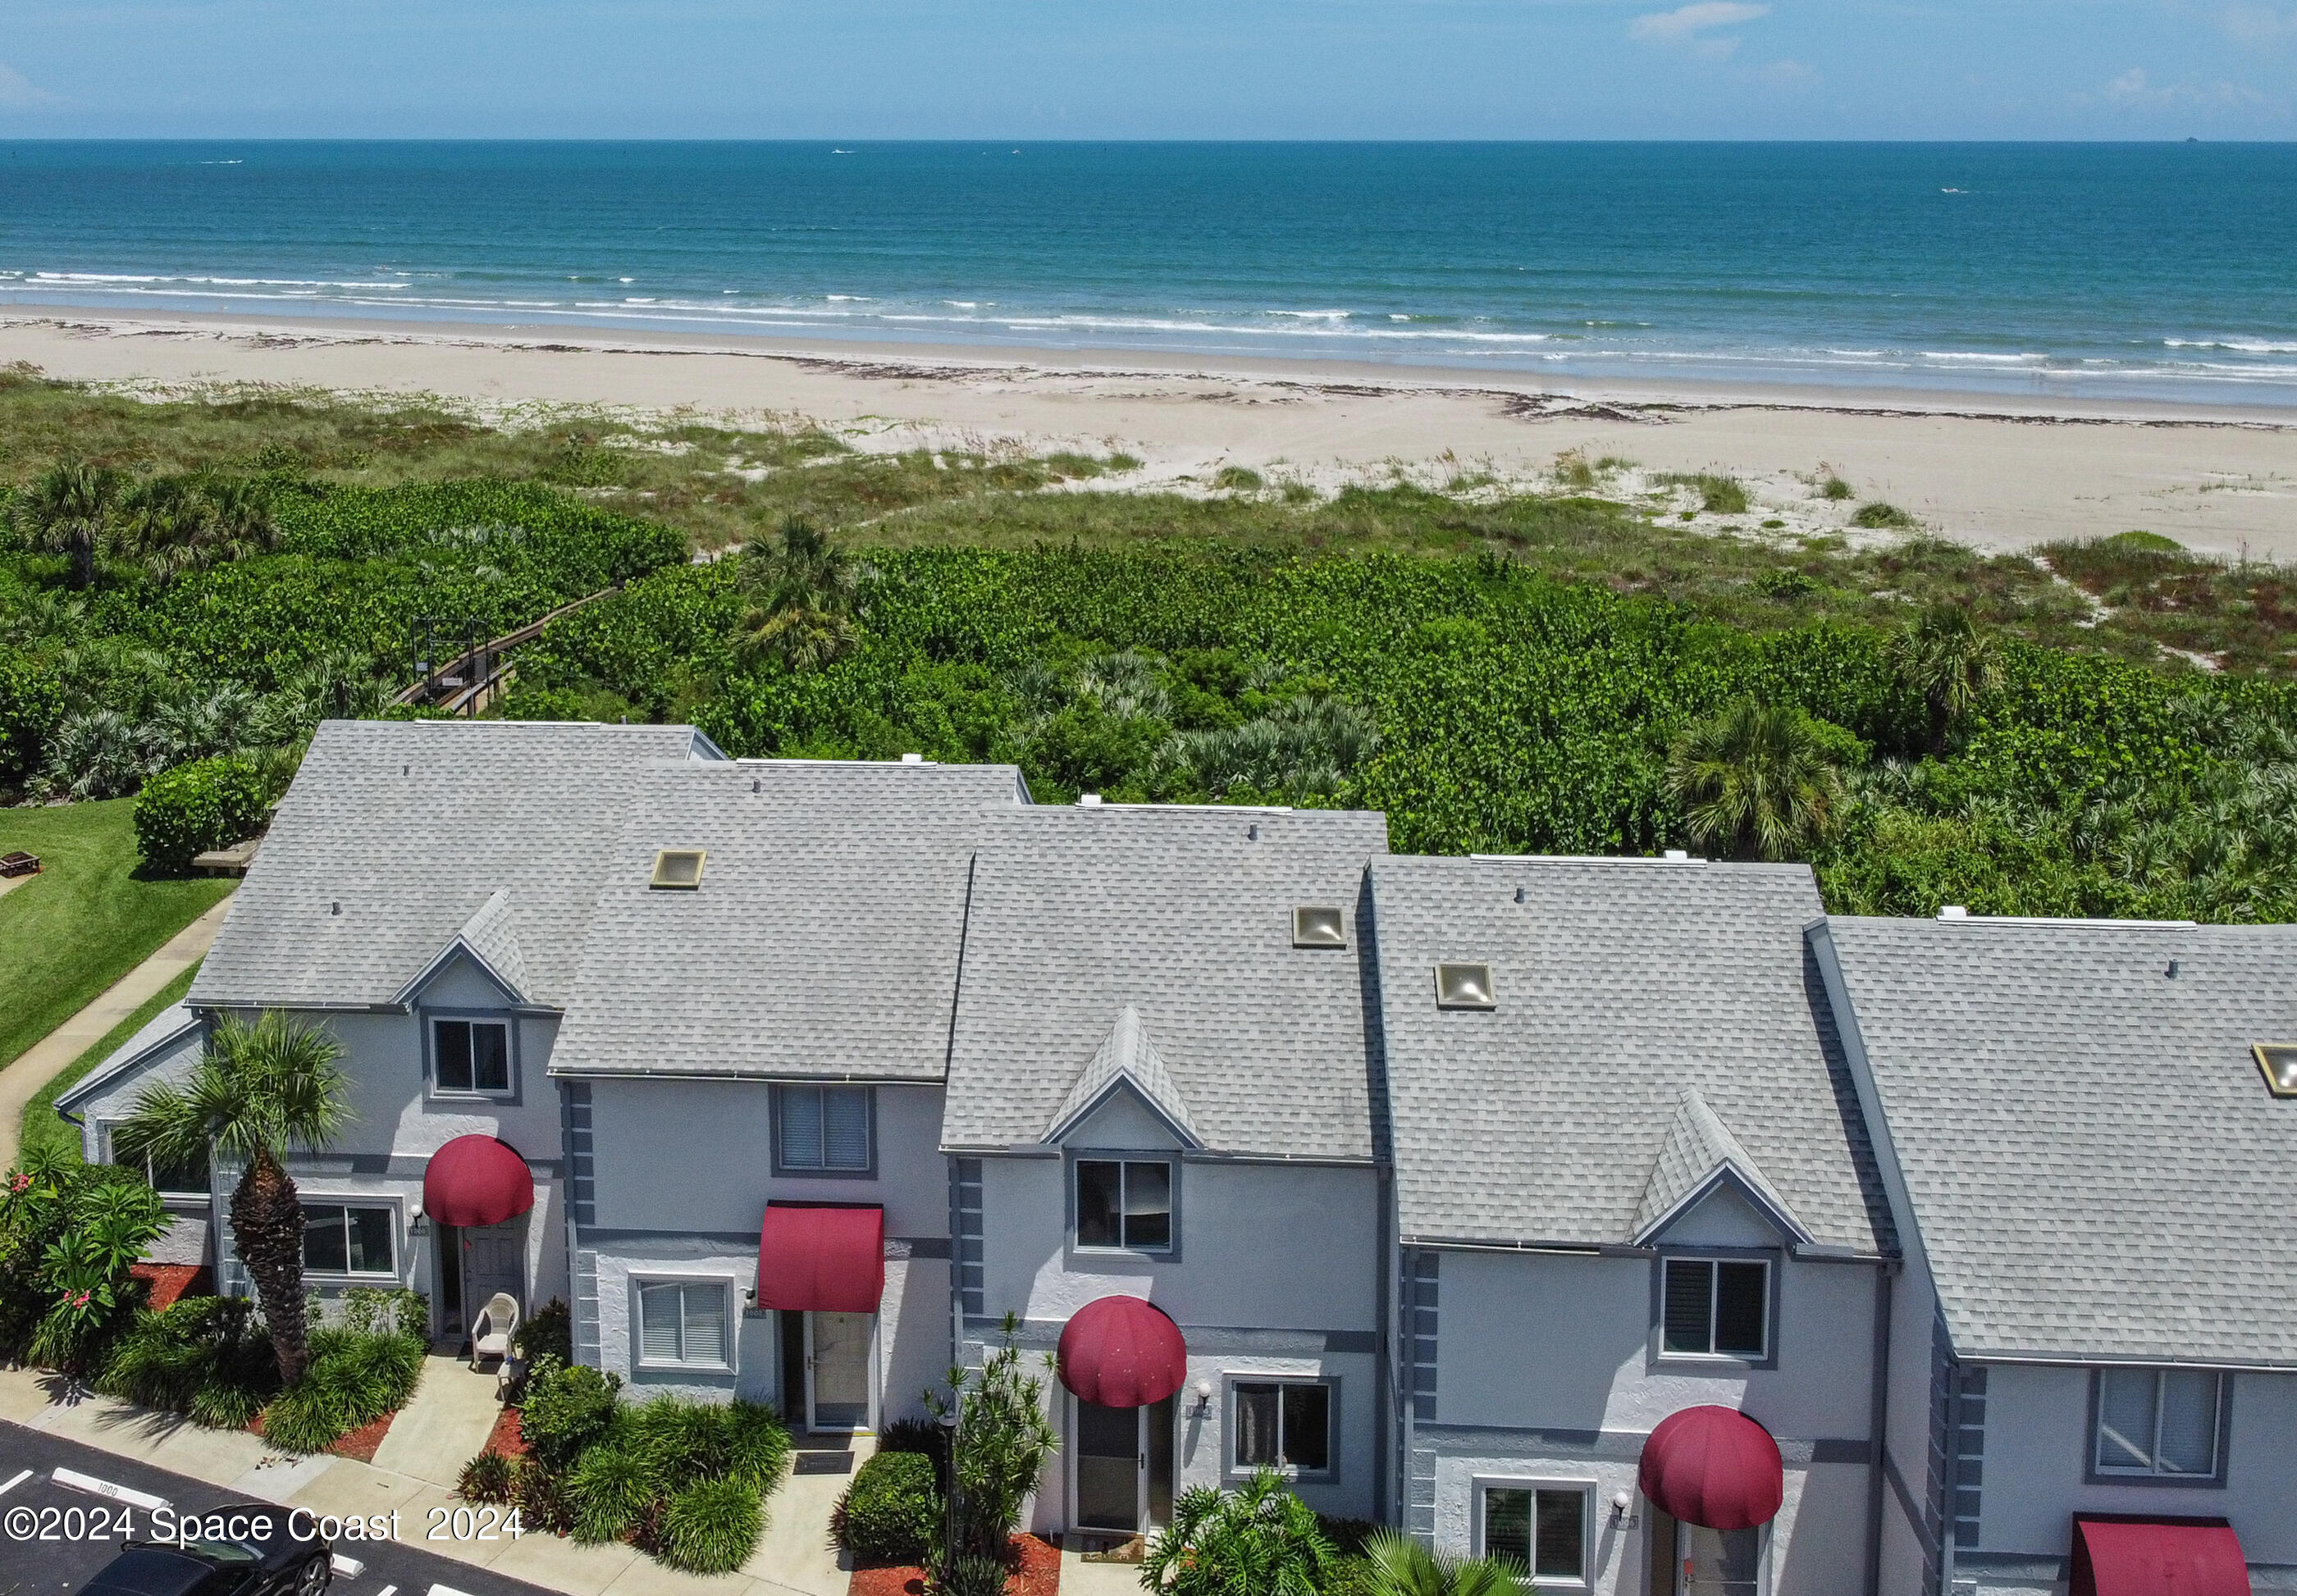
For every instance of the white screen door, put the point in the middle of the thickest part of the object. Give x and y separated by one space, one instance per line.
837 1372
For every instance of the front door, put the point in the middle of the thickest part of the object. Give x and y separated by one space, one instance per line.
837 1372
1123 1466
493 1260
1714 1562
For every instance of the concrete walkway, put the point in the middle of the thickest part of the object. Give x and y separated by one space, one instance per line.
793 1558
44 1059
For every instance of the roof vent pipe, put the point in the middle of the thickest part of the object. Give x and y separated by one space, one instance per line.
1681 855
913 759
335 908
1252 832
1522 896
1952 911
1088 800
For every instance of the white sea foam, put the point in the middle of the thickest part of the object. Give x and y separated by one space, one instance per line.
2247 346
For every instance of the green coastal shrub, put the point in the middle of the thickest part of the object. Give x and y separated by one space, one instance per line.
207 803
712 1526
547 1333
69 1234
891 1513
610 1492
355 1377
208 1357
567 1410
31 702
487 1477
1879 516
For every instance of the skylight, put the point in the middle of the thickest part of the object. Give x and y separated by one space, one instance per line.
678 868
1314 927
2278 1060
1464 986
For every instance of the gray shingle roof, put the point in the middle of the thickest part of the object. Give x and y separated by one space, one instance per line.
1620 983
1128 1055
1187 918
2095 1167
1699 1146
823 940
411 827
173 1034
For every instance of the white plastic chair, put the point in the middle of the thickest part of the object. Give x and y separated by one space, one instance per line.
491 1331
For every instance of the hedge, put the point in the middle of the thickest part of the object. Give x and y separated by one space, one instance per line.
892 1512
207 803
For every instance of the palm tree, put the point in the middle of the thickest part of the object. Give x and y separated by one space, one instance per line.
67 510
260 1090
806 592
1942 655
1402 1566
165 525
1259 1540
800 637
1755 781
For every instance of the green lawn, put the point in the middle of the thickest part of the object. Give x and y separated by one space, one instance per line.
85 921
41 1126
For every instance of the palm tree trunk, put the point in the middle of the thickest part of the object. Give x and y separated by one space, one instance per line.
83 557
267 1223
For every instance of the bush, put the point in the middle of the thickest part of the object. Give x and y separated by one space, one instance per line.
541 1503
973 1575
207 803
923 1437
548 1332
487 1477
354 1378
208 1357
891 1513
757 1445
567 1410
1351 1574
711 1526
1261 1538
1879 516
69 1234
31 702
610 1492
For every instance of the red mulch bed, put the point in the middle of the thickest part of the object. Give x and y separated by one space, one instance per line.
172 1280
506 1438
1037 1572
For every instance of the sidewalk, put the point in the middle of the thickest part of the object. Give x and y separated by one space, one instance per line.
793 1556
20 1082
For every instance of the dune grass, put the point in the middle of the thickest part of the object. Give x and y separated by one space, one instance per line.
87 920
1718 495
41 1127
1881 517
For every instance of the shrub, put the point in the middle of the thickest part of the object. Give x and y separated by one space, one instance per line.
31 702
548 1332
610 1490
206 1356
487 1477
923 1437
684 1440
757 1445
1835 488
567 1410
1003 1442
1717 495
973 1575
541 1503
207 803
1261 1538
1240 479
69 1233
891 1513
1351 1574
354 1379
1879 516
711 1526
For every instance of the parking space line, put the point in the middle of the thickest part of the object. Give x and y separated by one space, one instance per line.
71 1479
447 1590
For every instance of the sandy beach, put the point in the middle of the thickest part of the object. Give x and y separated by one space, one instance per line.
1993 472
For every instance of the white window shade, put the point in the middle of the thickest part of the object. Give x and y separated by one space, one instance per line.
683 1323
845 1127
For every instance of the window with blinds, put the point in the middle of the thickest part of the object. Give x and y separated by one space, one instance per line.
823 1130
1715 1308
682 1324
2157 1423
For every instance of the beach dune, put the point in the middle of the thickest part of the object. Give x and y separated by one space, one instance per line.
1994 472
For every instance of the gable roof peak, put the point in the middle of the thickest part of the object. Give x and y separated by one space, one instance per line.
1699 1154
1126 1057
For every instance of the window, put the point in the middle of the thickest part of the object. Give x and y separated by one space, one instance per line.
1715 1308
1126 1203
1542 1527
1464 986
172 1179
678 868
2157 1423
343 1238
822 1131
470 1056
1284 1424
683 1325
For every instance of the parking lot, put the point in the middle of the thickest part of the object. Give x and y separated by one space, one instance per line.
56 1536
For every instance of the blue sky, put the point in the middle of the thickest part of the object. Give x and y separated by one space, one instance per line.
1178 68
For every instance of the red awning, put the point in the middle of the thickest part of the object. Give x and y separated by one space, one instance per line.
821 1259
476 1180
1123 1352
1714 1466
2117 1555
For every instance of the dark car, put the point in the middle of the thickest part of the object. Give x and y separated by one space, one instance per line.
246 1549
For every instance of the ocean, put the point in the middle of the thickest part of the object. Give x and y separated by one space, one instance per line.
2102 271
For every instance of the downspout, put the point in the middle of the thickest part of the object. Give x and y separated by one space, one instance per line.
1878 1428
948 1058
1385 1268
